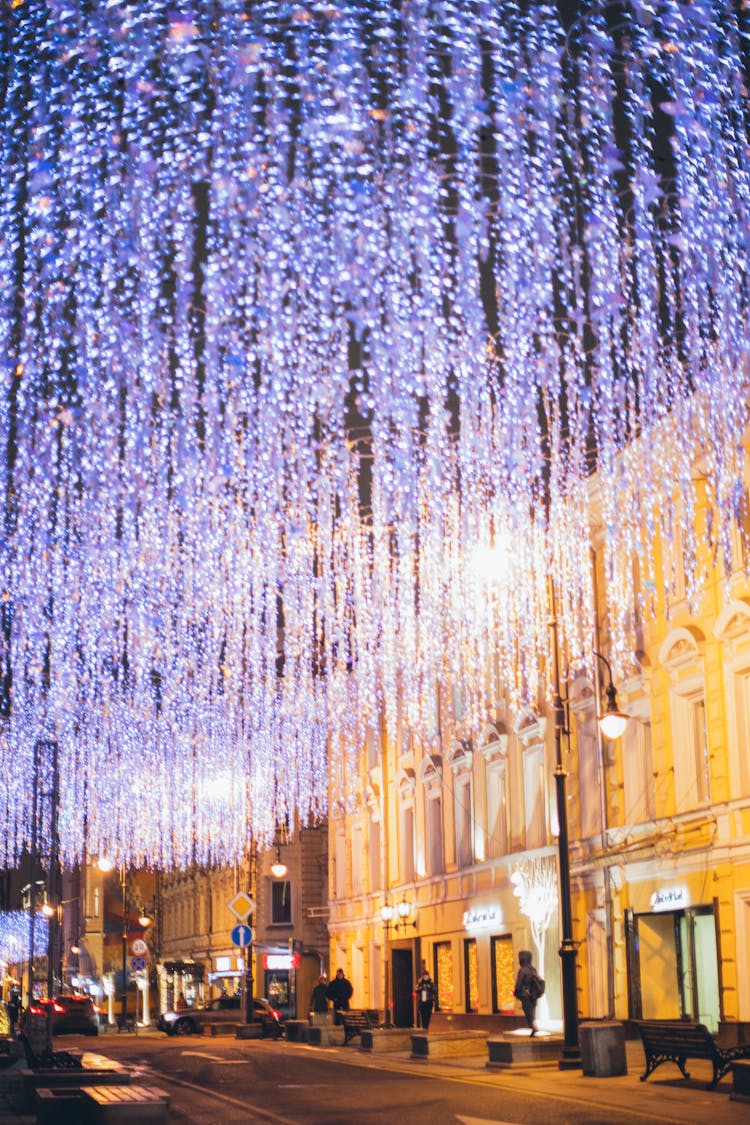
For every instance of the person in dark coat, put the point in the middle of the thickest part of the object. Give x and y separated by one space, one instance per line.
14 1009
426 997
339 992
318 998
527 989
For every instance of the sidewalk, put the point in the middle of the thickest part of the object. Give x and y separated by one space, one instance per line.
665 1098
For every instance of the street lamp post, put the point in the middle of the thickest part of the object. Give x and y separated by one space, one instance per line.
124 1015
571 1052
612 724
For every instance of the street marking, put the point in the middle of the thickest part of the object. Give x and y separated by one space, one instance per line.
213 1058
483 1121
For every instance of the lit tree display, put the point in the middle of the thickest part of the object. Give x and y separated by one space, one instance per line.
535 887
301 304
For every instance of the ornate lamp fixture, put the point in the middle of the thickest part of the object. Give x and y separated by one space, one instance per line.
278 867
613 722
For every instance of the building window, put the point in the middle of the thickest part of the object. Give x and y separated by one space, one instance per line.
692 778
497 809
638 772
503 974
406 826
357 855
281 902
535 799
461 758
589 782
434 818
681 654
376 881
431 776
463 819
471 975
340 860
443 974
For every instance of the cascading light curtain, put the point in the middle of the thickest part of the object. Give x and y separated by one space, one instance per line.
304 305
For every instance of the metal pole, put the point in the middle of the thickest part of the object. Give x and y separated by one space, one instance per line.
571 1052
387 978
123 881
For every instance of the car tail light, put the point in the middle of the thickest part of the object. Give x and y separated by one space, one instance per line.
57 1007
36 1009
275 1013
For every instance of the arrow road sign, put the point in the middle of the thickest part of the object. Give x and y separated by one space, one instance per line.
242 936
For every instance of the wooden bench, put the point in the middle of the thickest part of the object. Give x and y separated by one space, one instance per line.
357 1021
675 1041
128 1105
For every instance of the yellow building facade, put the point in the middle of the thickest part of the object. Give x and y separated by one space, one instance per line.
444 850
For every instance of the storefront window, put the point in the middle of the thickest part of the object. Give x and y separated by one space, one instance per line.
443 969
503 974
471 970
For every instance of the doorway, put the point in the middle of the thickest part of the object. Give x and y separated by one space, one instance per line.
674 966
402 964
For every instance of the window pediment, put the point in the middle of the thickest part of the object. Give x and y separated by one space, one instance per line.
682 652
493 742
530 728
733 625
460 757
431 771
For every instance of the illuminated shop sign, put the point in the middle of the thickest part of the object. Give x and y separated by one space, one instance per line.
481 918
280 961
670 898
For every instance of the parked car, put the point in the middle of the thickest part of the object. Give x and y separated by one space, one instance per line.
223 1010
75 1015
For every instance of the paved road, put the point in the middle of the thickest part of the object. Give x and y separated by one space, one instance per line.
224 1081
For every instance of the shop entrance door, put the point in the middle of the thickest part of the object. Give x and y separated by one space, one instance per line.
674 966
403 987
700 967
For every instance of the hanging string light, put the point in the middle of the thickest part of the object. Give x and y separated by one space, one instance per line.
305 303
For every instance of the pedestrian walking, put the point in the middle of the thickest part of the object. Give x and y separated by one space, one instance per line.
318 998
426 998
339 992
529 987
14 1010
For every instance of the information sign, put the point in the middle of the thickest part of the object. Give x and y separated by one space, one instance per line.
242 936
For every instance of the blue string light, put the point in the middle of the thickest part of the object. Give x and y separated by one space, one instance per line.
303 304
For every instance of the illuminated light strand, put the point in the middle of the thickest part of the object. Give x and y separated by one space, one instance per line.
309 304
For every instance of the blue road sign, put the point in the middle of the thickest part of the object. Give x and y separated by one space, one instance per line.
242 936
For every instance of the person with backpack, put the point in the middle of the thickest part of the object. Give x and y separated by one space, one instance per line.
426 997
529 987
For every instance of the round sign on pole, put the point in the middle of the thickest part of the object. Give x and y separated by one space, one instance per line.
242 936
139 947
137 964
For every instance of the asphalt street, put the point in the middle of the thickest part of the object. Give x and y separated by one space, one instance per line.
225 1081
